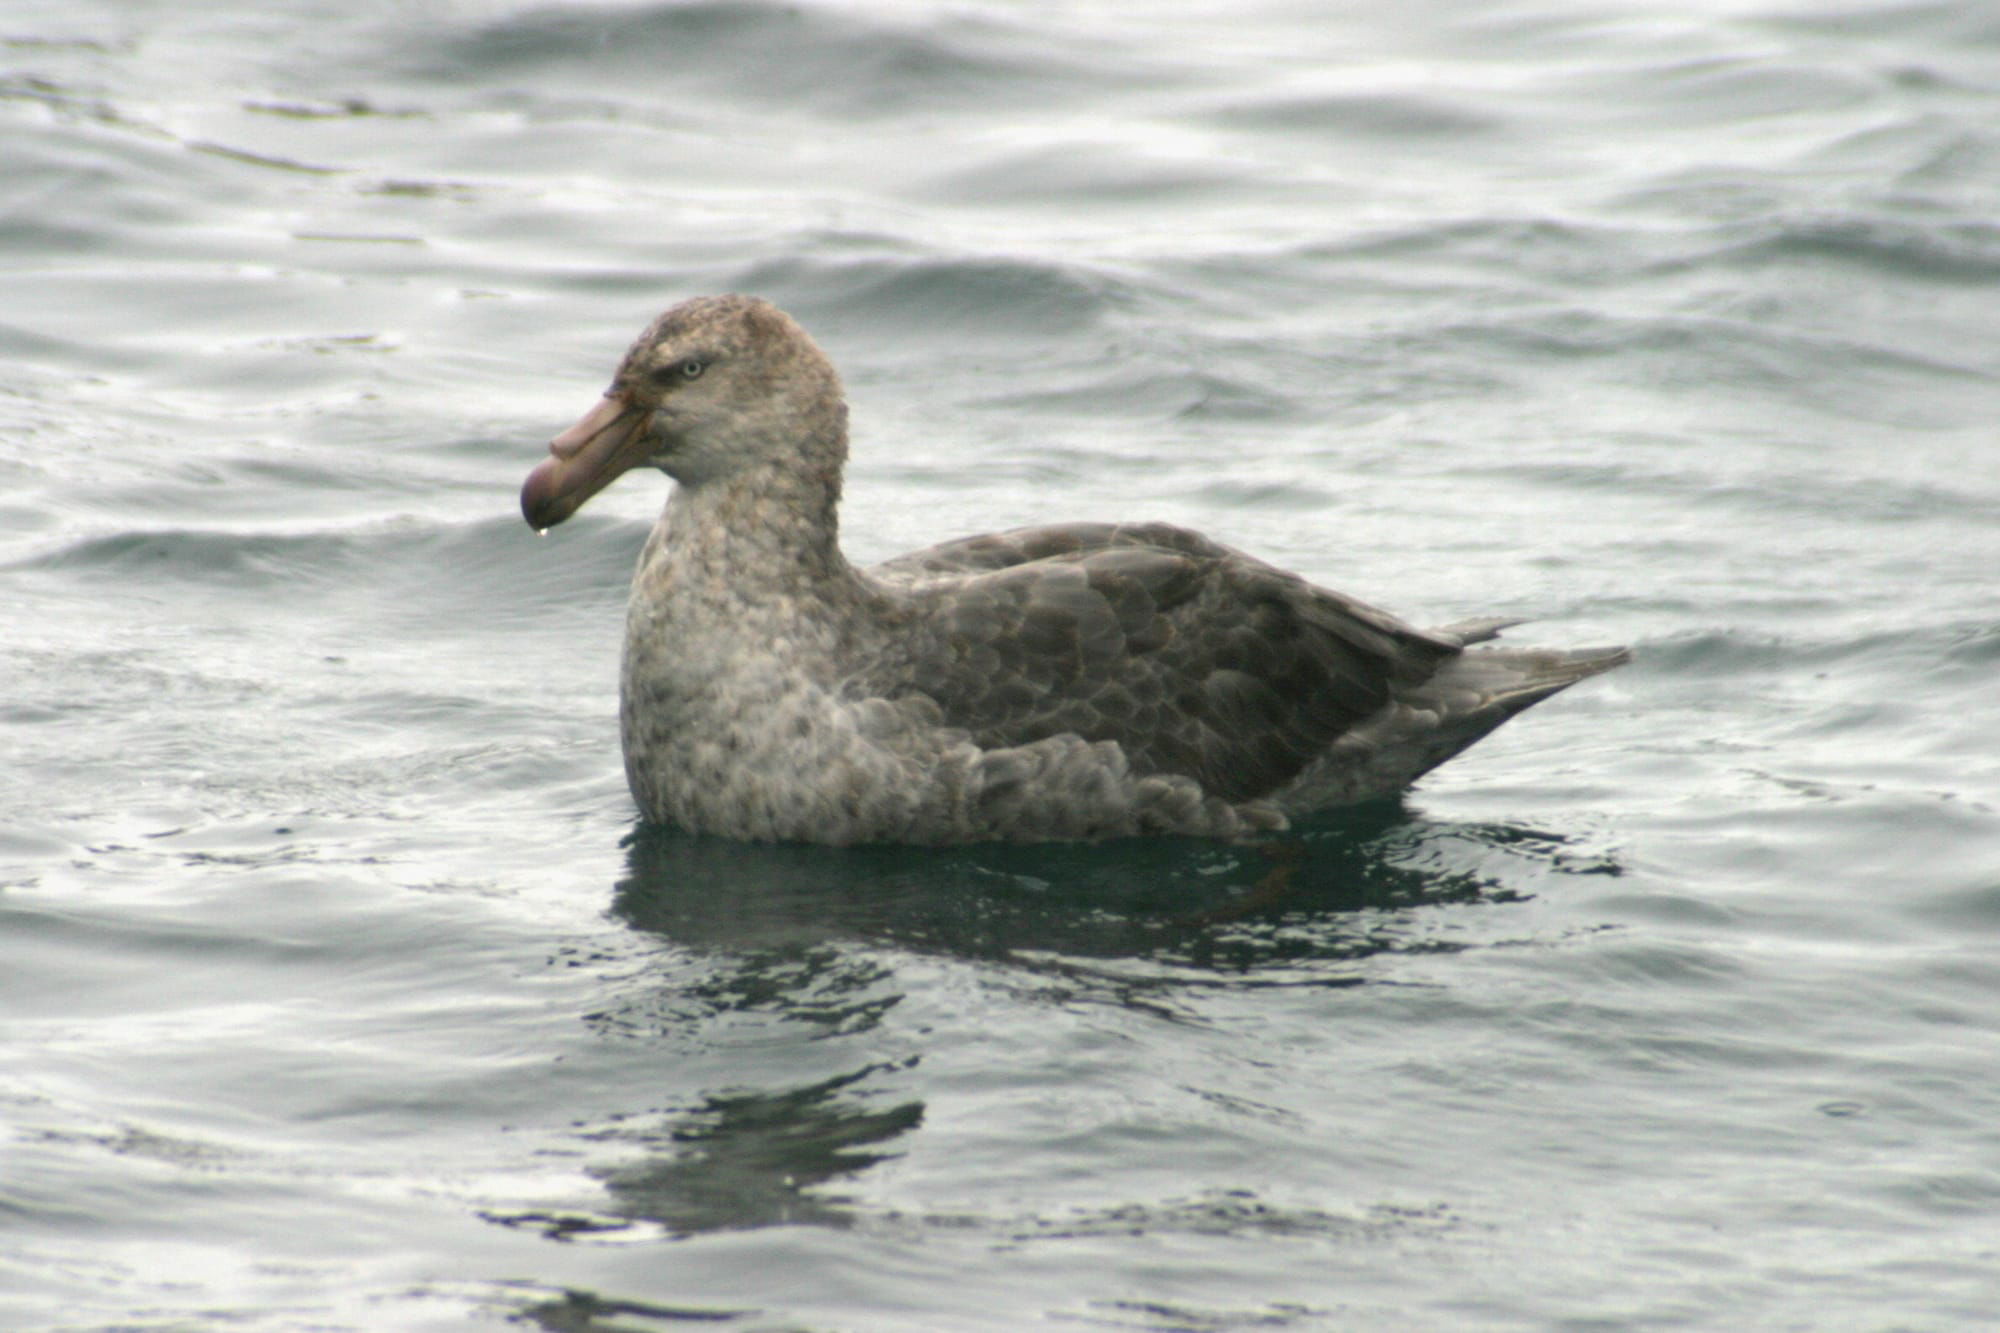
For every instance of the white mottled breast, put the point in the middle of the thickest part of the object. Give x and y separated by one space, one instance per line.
737 721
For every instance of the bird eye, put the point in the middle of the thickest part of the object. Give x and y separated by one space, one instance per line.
665 377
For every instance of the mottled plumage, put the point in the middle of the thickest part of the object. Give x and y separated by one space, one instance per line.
1076 681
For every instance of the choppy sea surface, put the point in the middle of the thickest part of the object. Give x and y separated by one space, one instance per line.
339 988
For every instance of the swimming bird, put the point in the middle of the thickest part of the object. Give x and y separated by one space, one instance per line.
1078 681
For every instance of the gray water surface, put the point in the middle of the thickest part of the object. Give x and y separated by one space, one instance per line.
340 990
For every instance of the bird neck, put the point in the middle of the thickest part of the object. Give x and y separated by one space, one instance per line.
769 529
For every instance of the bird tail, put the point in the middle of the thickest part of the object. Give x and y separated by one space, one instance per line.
1476 691
1425 724
1496 683
1463 632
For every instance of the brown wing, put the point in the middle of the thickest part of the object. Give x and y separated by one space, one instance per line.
1194 658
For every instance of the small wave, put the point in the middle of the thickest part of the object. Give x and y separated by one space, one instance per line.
1068 174
1118 390
1763 493
846 60
1400 116
1975 645
1266 495
1943 252
412 575
1732 88
1743 650
986 297
201 555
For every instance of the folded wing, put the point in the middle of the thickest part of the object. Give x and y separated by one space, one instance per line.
1195 658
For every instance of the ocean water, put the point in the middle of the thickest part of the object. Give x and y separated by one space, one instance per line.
339 988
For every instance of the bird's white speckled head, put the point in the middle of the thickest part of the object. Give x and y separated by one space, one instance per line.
717 386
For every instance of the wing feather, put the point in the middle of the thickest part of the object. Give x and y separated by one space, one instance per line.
1194 658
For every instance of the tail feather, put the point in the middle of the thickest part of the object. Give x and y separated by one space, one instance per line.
1538 673
1471 693
1478 630
1478 690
